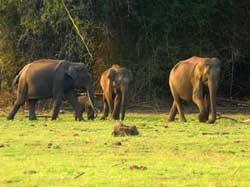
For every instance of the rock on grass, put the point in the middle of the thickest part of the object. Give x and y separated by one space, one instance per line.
122 130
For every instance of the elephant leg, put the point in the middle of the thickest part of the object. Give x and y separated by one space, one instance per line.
176 106
110 102
117 107
32 108
173 112
111 109
200 104
56 108
198 99
180 109
75 114
206 106
14 110
105 109
75 104
90 113
18 103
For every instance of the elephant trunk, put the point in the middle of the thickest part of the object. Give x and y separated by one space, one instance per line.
124 102
212 94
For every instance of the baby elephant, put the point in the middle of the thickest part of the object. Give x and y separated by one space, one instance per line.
195 79
85 106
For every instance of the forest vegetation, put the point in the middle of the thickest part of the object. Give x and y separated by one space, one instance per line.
146 36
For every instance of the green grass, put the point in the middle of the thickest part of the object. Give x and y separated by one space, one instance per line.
53 153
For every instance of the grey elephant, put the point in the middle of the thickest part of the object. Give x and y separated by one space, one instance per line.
195 79
55 79
115 83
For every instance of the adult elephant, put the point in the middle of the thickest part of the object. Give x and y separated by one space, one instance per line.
55 79
115 85
195 79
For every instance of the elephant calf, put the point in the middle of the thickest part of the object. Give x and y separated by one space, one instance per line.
85 106
195 79
115 85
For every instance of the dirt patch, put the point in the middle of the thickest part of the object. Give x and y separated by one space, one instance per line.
135 167
49 145
30 172
122 130
214 133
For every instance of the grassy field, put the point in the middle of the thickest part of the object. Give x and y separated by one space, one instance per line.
69 153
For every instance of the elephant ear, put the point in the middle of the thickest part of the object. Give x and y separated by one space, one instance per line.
69 76
216 62
111 74
71 72
199 71
212 64
68 83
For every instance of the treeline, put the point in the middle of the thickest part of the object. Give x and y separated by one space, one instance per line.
146 36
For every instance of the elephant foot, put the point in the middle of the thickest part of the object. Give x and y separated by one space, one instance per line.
103 118
32 118
115 118
170 119
10 118
206 115
210 121
80 119
202 118
183 119
91 116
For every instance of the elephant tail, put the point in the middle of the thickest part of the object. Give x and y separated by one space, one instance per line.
15 81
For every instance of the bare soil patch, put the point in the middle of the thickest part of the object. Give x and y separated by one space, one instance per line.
136 167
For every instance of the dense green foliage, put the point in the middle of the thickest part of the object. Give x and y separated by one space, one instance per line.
144 35
68 153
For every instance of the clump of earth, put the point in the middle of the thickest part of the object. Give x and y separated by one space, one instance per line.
124 130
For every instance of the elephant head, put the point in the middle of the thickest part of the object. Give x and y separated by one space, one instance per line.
208 75
78 77
120 78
